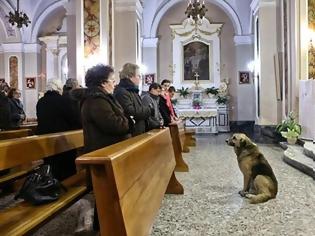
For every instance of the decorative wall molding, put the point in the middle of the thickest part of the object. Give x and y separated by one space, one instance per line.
254 6
33 34
206 33
129 5
32 48
222 4
20 48
243 39
150 42
13 47
9 30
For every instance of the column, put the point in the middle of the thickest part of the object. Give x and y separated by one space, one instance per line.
269 105
126 37
52 56
245 93
71 38
150 52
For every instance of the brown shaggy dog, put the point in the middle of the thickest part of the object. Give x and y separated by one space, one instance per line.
258 175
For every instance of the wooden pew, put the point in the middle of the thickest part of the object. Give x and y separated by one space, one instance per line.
29 125
11 134
178 139
129 181
22 218
190 141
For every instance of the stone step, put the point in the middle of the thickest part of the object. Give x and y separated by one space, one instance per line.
309 149
295 157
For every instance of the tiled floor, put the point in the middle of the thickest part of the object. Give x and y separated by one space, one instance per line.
211 204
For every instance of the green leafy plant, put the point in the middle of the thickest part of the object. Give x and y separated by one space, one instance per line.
196 103
289 124
290 134
222 100
183 92
212 90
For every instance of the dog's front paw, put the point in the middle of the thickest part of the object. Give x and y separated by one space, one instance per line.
249 195
242 193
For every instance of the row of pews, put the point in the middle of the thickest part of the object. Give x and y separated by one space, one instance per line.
129 179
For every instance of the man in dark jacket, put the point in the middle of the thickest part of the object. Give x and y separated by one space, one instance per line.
127 94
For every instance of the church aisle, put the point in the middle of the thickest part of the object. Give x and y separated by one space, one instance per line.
211 204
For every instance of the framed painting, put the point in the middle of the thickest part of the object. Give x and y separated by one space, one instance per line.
30 83
196 61
149 79
244 77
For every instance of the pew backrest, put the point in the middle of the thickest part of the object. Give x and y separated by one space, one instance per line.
19 151
11 134
129 181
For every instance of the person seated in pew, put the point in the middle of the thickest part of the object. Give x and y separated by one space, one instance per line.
54 115
103 119
151 99
127 94
17 112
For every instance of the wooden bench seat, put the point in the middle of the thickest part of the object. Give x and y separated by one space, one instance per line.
177 132
21 217
130 179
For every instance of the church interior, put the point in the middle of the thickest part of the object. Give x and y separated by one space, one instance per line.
117 117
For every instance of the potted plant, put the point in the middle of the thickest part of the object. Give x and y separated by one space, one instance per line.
222 100
290 135
289 127
183 92
212 91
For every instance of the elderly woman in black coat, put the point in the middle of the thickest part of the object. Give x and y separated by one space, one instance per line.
103 119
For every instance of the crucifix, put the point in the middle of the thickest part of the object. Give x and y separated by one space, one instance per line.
196 79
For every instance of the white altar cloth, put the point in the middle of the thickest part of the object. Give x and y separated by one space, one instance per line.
196 113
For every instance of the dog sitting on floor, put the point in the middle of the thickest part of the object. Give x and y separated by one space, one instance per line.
260 183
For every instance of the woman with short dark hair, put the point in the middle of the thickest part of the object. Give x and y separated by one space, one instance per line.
103 119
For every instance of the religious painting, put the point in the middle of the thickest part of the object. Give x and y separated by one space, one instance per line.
91 27
196 61
244 77
149 79
13 66
311 48
30 83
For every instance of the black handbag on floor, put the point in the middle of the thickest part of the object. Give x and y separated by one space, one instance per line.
40 187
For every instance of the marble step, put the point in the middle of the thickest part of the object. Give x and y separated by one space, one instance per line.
295 157
309 149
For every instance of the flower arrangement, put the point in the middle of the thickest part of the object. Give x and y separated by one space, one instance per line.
196 104
222 96
183 92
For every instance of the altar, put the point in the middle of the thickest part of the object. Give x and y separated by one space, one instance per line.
200 120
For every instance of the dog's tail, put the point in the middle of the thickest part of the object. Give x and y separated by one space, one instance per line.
259 198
